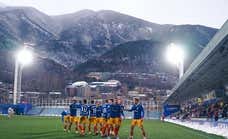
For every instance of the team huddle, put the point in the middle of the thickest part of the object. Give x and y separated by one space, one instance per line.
105 119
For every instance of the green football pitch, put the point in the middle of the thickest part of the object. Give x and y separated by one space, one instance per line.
25 127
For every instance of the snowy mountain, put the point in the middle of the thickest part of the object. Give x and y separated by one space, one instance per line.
72 39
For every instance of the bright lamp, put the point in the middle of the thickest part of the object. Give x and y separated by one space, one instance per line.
24 57
174 54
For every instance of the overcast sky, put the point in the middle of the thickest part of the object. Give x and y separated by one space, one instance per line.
211 13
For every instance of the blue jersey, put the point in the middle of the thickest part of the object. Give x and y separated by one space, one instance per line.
84 111
73 109
99 111
106 110
138 111
92 110
115 111
64 113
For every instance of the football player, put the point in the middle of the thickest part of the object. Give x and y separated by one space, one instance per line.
137 120
116 112
84 113
92 116
105 117
99 119
65 120
73 116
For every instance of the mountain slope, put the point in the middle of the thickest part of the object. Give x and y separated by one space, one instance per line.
98 32
74 38
132 57
139 63
68 41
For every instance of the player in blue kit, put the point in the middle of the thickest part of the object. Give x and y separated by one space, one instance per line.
105 117
138 110
65 116
114 122
73 115
110 121
92 116
99 118
84 113
120 102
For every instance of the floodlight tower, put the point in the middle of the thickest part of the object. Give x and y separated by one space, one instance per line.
175 55
23 58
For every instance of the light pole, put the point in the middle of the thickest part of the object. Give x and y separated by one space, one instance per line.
23 58
175 55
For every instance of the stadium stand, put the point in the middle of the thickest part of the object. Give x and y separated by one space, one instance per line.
206 74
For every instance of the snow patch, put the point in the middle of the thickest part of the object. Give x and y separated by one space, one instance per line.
86 39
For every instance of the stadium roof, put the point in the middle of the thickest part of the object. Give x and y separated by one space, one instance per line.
109 83
207 72
79 84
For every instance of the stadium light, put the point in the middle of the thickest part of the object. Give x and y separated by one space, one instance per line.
23 58
175 55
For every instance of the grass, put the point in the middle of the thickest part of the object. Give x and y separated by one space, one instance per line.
25 127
